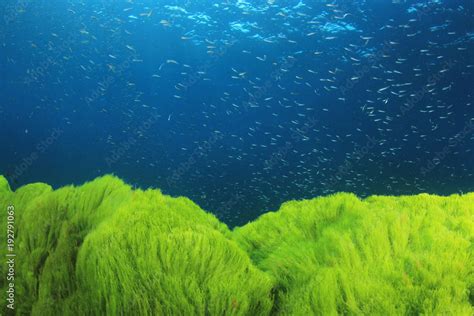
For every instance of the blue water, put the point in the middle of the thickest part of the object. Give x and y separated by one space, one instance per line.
240 105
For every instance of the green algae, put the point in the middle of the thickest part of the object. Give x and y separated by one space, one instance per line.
105 249
380 256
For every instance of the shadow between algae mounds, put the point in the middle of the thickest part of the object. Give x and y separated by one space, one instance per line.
105 249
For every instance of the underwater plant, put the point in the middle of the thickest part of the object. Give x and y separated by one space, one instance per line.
105 249
405 255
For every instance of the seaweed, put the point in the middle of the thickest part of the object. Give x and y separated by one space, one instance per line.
105 249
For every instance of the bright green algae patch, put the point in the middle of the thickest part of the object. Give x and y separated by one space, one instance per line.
406 255
105 249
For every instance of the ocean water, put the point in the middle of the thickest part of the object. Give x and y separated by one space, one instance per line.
240 105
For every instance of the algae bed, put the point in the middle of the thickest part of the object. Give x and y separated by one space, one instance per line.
105 249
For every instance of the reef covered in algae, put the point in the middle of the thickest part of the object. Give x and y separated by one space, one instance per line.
105 249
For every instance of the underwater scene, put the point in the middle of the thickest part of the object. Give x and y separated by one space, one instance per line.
237 157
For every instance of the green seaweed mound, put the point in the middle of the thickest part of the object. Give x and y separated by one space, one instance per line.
105 249
405 255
